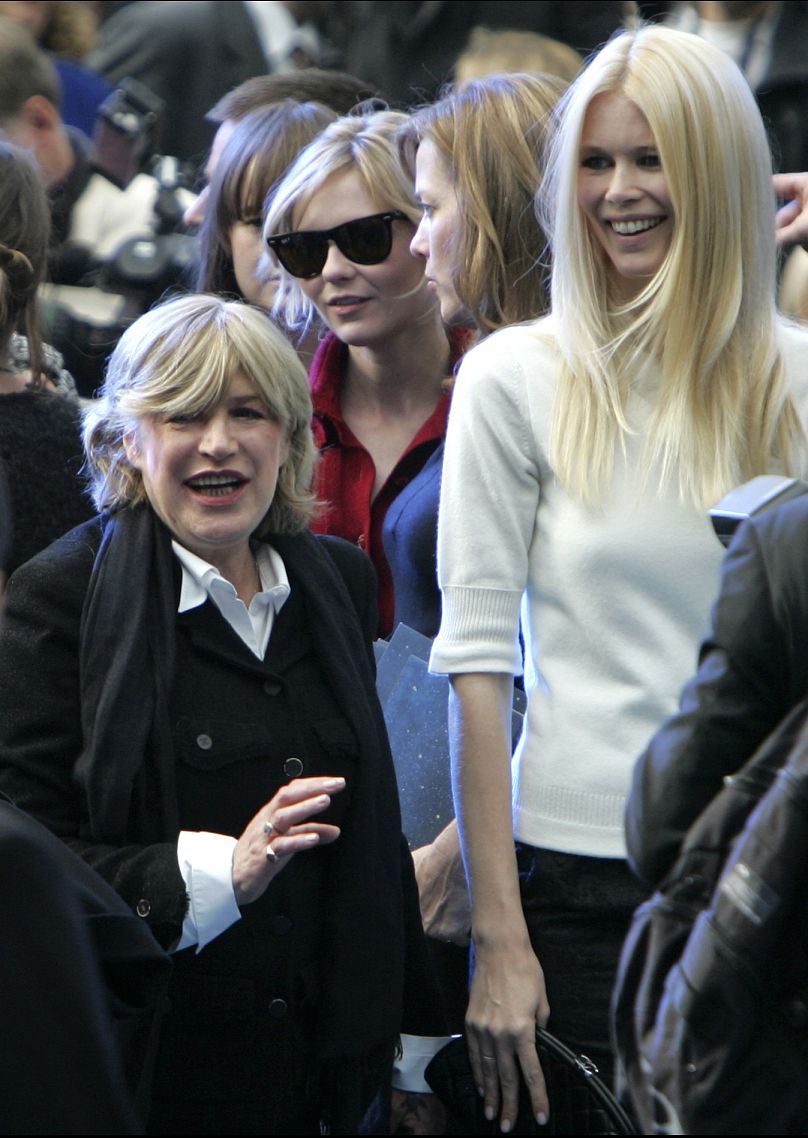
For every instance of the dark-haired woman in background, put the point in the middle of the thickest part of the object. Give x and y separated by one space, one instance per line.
40 445
256 155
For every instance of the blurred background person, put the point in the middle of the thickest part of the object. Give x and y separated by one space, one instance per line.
193 52
40 442
494 51
333 89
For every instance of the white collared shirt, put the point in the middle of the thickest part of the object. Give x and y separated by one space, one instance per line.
202 581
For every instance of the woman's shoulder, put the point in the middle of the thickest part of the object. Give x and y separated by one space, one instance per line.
66 563
347 557
515 365
519 347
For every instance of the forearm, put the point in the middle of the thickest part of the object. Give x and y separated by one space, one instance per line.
507 996
479 717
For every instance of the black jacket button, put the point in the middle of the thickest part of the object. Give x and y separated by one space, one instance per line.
293 767
278 1008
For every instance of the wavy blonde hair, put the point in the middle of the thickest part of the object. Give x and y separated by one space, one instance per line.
707 317
179 359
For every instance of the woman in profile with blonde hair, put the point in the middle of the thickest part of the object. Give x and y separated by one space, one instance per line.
582 454
477 156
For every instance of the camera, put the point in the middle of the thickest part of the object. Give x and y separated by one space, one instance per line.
97 297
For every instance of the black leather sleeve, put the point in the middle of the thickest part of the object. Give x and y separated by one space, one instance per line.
753 669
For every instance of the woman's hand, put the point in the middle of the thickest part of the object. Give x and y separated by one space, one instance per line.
279 830
442 890
791 224
506 1003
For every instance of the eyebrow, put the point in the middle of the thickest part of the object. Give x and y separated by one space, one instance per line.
593 148
245 398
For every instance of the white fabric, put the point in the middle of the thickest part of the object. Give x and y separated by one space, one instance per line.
104 217
416 1053
616 598
281 36
253 625
206 865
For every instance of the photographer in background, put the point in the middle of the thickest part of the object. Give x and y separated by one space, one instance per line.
90 216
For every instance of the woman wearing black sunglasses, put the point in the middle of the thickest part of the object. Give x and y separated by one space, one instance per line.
340 224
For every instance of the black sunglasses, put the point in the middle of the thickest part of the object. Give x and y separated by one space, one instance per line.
366 241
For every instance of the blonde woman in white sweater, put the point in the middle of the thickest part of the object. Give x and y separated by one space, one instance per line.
582 454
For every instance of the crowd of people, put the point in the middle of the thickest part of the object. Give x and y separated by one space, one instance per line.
479 367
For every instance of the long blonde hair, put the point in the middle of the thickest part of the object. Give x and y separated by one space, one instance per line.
707 318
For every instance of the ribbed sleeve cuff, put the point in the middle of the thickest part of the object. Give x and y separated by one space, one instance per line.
479 632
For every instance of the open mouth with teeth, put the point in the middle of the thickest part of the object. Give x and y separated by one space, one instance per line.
215 485
629 228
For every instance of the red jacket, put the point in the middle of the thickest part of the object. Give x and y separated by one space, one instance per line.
346 473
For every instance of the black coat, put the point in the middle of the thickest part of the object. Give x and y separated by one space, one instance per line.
371 952
753 670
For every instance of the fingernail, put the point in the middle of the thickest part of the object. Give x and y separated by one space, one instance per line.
541 1118
480 1091
489 1114
334 783
310 838
506 1125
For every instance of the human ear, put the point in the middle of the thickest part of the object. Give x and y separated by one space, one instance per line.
131 448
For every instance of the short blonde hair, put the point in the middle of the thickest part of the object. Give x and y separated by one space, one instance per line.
708 314
492 134
180 359
366 144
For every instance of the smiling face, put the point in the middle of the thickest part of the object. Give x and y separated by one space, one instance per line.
623 192
211 478
364 305
440 230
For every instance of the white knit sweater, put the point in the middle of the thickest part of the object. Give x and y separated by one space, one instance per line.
616 597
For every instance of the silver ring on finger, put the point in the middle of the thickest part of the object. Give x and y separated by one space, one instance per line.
268 827
272 855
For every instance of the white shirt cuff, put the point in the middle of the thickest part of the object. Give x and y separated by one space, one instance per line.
206 865
417 1051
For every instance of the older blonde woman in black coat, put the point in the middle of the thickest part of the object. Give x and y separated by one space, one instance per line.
189 702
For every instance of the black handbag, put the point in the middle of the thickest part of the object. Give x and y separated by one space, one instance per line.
579 1102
